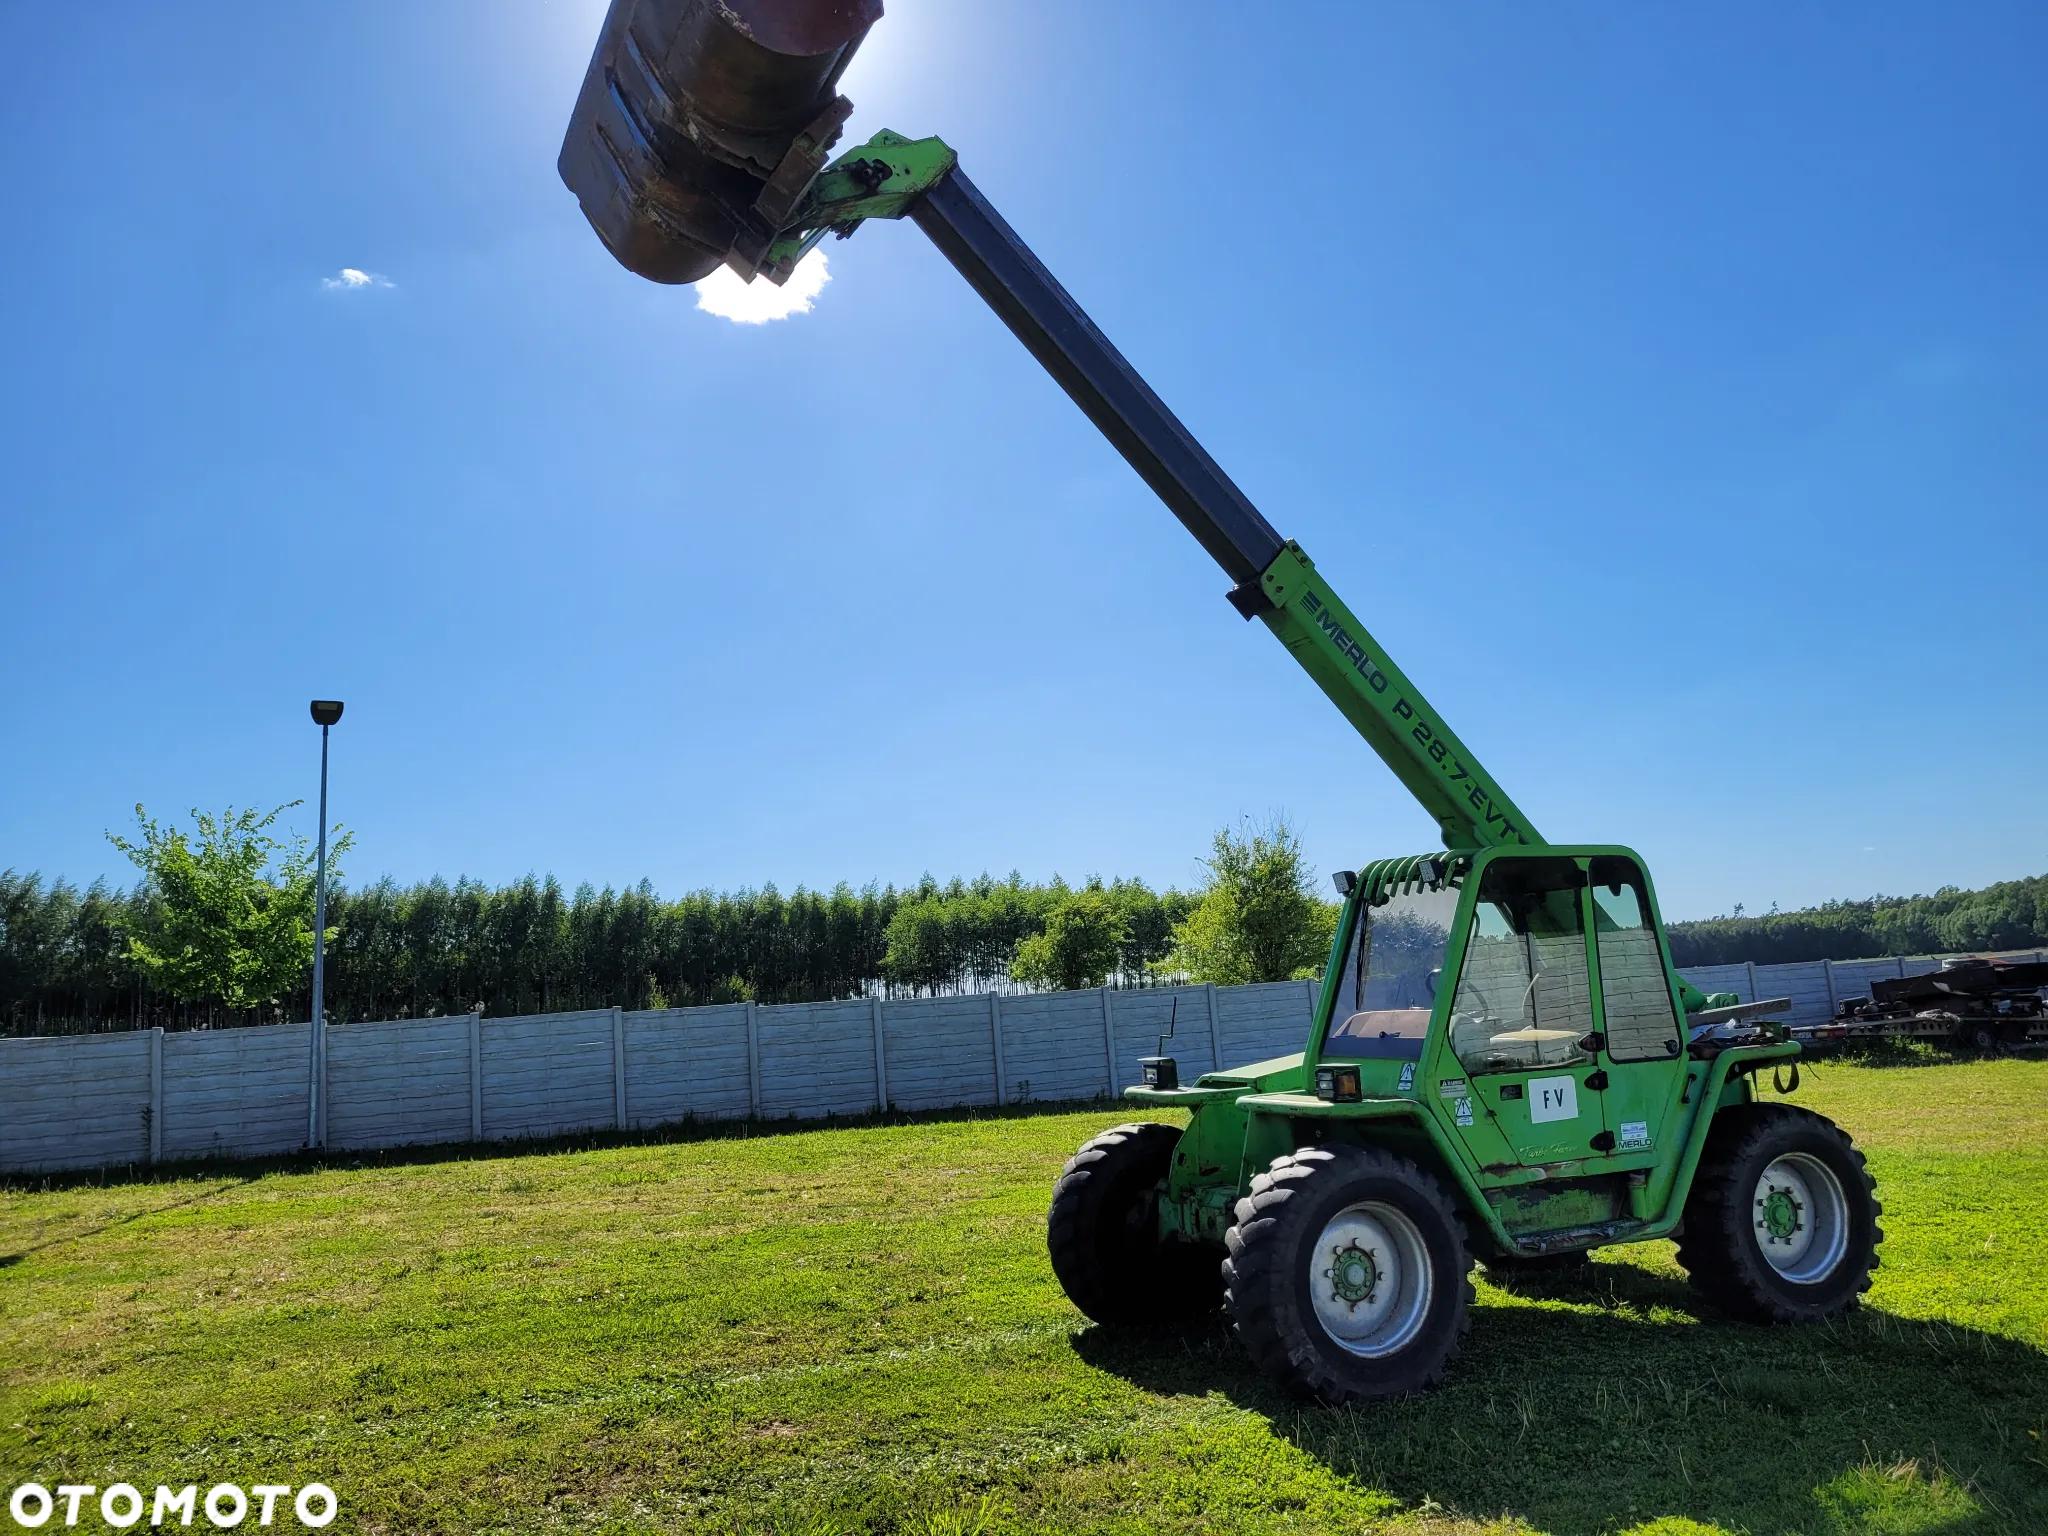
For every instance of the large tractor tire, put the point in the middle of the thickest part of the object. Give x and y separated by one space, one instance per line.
1103 1234
1348 1274
1781 1225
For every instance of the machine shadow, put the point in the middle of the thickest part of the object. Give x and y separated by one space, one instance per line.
1585 1408
666 1134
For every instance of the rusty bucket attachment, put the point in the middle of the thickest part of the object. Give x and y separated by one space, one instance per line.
701 123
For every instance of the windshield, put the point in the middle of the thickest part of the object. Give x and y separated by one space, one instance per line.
1388 983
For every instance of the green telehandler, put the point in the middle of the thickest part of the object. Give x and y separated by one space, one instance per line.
1502 1064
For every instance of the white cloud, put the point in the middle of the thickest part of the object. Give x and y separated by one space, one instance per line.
726 295
349 279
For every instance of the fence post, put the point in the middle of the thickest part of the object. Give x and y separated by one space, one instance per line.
881 1058
1749 966
1900 964
1215 1030
476 1077
320 1099
1109 1043
1827 969
156 1095
995 1035
619 1064
753 1061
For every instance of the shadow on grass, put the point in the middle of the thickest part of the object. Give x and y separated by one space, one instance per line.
9 1260
1585 1408
671 1133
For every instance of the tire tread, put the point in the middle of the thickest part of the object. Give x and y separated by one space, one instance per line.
1180 1282
1715 1242
1252 1284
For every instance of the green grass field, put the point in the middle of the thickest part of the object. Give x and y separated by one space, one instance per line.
855 1329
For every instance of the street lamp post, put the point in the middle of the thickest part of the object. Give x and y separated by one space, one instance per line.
325 713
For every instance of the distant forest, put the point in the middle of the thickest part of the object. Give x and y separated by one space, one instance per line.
2010 915
530 947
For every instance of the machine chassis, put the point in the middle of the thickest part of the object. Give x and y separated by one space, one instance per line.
1242 1119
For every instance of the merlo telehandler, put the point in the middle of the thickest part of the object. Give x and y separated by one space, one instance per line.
1502 1063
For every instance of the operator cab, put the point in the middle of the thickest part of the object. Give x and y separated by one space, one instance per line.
1529 989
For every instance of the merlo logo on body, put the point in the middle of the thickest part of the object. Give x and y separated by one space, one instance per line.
1435 741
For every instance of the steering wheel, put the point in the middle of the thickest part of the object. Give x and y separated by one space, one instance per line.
1477 996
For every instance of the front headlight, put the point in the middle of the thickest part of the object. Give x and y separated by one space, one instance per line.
1339 1085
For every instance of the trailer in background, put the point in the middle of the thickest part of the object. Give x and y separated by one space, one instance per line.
1976 1005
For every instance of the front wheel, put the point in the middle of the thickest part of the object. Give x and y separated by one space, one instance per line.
1102 1234
1347 1275
1781 1225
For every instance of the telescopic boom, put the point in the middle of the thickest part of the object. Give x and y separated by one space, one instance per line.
1276 582
700 138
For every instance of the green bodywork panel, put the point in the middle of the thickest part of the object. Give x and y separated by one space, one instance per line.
1526 1184
881 179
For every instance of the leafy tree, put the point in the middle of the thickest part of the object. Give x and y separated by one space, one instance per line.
1079 946
924 952
234 915
1258 918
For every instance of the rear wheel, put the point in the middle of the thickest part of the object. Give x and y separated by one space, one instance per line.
1102 1234
1347 1274
1982 1036
1781 1225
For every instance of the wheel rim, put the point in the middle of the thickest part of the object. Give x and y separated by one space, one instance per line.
1801 1218
1371 1279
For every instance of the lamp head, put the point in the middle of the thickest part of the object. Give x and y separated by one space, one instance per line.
326 711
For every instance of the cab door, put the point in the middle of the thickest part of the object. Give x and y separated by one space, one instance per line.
1642 1039
1522 1025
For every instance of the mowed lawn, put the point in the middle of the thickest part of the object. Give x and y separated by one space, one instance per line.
855 1329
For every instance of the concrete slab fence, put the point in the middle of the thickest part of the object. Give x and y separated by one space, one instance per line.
151 1096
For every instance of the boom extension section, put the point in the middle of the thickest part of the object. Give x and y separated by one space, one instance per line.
893 177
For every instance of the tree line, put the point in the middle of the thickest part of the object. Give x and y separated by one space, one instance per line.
219 933
2012 914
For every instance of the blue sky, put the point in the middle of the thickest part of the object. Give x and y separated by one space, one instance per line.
1666 389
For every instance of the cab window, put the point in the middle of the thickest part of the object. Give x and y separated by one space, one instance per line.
1389 980
1635 993
1524 998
